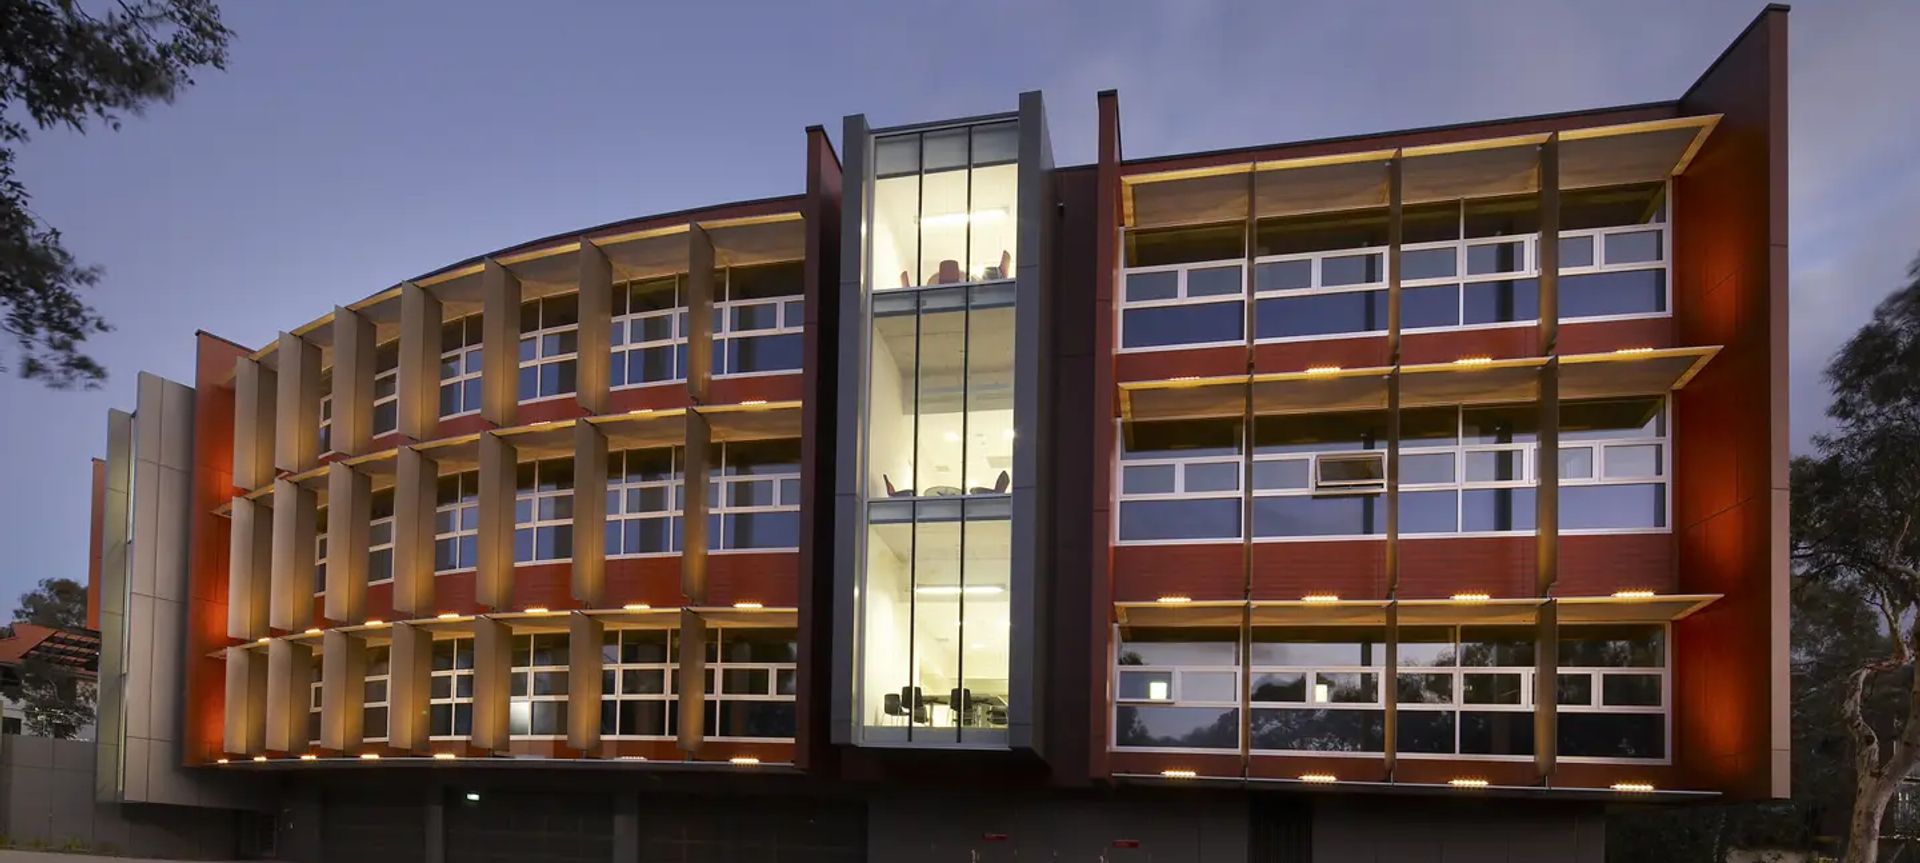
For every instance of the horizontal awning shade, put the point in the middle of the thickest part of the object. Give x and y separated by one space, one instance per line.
1410 612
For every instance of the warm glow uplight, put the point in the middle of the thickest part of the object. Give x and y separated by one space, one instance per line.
309 757
1633 594
1471 597
1323 370
1184 378
537 610
1319 778
635 606
1643 349
1467 783
1321 597
640 411
747 605
265 640
1633 787
444 756
369 756
449 615
376 622
754 402
1473 361
1174 599
314 630
220 761
743 760
1178 774
259 757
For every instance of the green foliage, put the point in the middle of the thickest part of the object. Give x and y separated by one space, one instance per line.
57 602
54 702
63 66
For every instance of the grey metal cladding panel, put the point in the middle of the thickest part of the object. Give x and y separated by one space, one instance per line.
142 551
167 678
1027 668
176 425
170 538
149 402
853 373
138 667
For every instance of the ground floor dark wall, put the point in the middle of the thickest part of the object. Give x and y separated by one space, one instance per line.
47 801
500 814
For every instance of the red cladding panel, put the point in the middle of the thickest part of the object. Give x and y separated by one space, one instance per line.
1349 569
1163 365
769 578
1361 353
1438 568
1146 572
207 548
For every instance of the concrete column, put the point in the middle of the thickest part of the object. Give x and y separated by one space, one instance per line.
1546 691
415 497
349 509
596 328
493 570
249 569
291 606
246 710
589 513
692 684
698 469
296 405
353 362
289 681
410 688
500 345
418 379
700 298
253 419
343 685
584 634
492 683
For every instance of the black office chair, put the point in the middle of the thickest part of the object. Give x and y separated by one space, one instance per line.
891 705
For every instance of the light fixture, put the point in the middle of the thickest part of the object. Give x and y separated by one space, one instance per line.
1323 370
1178 378
369 756
1467 783
1174 599
537 609
1178 774
473 797
1321 597
444 756
1319 778
747 605
753 402
635 606
1322 693
639 411
1642 349
1008 434
220 761
633 758
313 630
952 437
1473 361
1633 787
264 640
956 590
376 622
259 758
743 761
449 615
309 757
1633 594
960 219
1159 690
1471 597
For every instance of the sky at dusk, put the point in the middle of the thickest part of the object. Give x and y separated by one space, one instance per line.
350 145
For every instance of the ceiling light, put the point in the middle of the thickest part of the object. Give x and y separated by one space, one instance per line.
1471 597
1633 594
1467 783
960 219
1178 774
1642 349
1319 778
753 402
376 622
1633 787
1174 600
473 797
1008 434
449 615
1323 370
951 437
635 606
315 630
747 605
640 411
956 590
1473 361
1321 597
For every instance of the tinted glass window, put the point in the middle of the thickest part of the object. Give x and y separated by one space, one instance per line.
1212 518
1618 293
1153 248
1321 314
1502 301
1617 507
1179 325
1181 727
1318 730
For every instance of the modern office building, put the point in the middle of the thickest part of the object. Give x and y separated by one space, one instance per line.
1410 493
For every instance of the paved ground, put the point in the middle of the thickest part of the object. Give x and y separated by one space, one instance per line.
8 856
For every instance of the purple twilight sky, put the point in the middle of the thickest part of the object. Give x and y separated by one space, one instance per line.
350 145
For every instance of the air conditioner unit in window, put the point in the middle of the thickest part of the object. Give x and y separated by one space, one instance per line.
1350 472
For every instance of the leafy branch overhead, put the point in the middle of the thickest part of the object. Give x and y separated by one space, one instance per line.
72 64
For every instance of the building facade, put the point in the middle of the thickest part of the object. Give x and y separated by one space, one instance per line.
968 506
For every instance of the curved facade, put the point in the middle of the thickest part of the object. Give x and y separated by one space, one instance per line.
969 496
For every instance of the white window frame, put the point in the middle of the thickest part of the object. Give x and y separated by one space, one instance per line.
618 513
530 672
467 363
790 316
1181 298
666 696
719 508
386 695
458 512
1174 699
375 544
540 359
1180 466
533 498
453 698
628 324
320 551
389 378
324 434
1312 683
717 691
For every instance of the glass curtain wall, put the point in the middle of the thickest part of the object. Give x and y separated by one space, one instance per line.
940 434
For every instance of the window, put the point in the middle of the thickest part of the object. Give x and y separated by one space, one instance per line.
636 683
539 686
644 488
460 366
314 698
380 538
1612 691
757 677
756 498
326 411
319 550
373 709
940 405
386 388
1177 689
1466 690
543 511
450 709
1180 480
1184 286
944 206
1316 689
456 522
549 346
649 333
758 318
